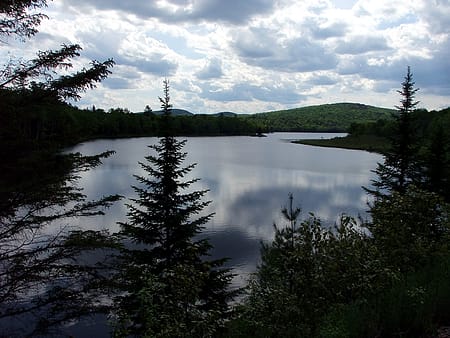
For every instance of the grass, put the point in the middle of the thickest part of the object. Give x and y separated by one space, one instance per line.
370 143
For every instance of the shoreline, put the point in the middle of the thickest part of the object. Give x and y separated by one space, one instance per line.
370 143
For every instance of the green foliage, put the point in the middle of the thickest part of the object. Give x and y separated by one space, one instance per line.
328 117
377 136
430 154
50 120
304 271
435 155
20 75
413 306
409 228
380 128
343 282
170 289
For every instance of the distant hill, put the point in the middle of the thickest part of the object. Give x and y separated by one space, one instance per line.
183 112
175 112
225 114
325 117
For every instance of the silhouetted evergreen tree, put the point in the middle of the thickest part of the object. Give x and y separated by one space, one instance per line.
49 270
400 163
171 291
31 89
16 20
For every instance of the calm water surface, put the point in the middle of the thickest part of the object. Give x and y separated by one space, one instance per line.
249 179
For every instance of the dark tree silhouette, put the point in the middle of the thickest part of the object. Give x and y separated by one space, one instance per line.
15 19
171 289
43 281
400 163
50 272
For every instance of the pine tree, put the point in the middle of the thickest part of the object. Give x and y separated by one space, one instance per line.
408 217
171 289
43 282
400 164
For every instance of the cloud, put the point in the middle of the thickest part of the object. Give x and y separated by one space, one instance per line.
212 70
255 43
384 10
263 48
154 64
249 55
116 83
145 54
362 44
436 14
337 29
249 92
431 74
322 80
231 11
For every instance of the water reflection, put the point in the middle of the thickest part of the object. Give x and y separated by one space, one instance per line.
249 180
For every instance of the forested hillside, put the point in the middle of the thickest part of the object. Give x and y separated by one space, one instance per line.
325 117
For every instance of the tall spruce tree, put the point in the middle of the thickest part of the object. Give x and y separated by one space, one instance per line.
409 220
171 291
400 163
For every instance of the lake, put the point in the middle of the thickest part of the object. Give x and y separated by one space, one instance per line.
249 179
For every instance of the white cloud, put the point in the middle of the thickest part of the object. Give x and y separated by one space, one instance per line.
213 69
362 44
255 55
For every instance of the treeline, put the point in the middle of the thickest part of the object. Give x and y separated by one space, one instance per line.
34 119
31 117
424 124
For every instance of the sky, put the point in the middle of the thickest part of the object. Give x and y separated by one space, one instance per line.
250 56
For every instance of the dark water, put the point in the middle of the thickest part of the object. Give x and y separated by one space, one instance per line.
249 180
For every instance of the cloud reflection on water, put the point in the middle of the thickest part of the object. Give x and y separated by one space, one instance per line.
249 180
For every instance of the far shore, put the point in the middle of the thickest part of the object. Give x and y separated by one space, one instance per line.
369 143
